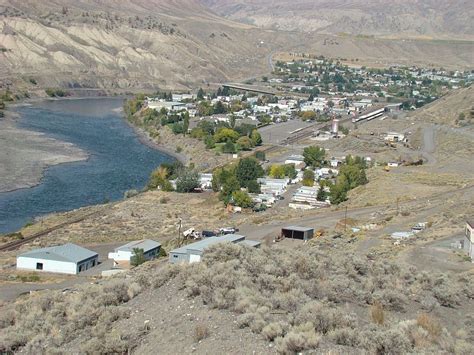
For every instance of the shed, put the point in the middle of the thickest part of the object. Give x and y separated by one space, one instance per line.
297 232
193 252
123 254
66 259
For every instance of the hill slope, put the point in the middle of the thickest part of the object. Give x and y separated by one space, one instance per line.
427 18
138 44
123 44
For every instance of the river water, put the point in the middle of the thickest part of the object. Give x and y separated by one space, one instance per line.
117 162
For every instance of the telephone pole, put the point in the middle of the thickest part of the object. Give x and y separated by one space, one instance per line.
345 220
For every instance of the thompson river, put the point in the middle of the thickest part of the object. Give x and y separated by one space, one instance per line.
118 160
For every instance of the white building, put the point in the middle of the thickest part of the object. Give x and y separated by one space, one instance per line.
297 160
206 181
192 253
122 255
468 242
66 259
394 137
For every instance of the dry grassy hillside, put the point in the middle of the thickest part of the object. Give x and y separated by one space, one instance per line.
422 18
126 44
456 109
179 44
242 300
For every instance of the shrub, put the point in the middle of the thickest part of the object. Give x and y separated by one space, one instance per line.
298 339
138 257
260 155
377 314
272 331
244 143
430 324
201 332
188 181
242 199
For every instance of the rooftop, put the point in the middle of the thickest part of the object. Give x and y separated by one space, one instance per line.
145 244
298 228
68 252
205 243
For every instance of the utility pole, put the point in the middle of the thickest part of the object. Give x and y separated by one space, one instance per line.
398 199
345 220
179 232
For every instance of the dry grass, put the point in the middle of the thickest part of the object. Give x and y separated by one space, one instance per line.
201 332
430 324
377 313
300 299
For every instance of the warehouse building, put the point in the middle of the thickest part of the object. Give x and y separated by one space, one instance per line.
192 253
296 232
122 255
65 259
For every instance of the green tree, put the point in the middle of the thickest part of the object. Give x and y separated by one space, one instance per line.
219 108
290 171
185 122
159 179
314 156
229 147
256 138
277 171
242 199
322 195
308 177
244 143
260 155
248 169
138 257
338 193
200 94
210 142
188 181
253 187
308 116
232 120
225 134
230 185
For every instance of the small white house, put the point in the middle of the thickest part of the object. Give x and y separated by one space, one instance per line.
66 259
122 255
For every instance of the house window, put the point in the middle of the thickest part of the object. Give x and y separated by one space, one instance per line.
39 266
175 256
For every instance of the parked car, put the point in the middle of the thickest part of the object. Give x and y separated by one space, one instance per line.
228 230
207 234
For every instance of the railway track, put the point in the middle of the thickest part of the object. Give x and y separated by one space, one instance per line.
17 243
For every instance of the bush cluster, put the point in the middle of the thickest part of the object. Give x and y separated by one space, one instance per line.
301 299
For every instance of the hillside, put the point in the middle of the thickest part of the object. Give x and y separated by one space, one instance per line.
303 299
181 44
405 18
145 44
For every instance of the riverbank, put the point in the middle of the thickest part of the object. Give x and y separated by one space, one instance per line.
147 140
25 155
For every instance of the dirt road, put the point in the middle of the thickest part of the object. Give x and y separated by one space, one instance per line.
429 144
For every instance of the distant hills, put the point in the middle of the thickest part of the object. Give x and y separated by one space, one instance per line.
180 44
398 18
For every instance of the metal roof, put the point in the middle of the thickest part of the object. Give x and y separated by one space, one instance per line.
145 244
68 252
298 228
205 243
250 243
